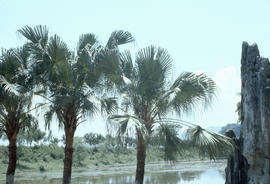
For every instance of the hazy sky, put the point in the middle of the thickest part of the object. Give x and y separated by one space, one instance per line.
201 36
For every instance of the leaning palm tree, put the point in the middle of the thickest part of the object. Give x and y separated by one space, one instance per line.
15 100
74 81
148 95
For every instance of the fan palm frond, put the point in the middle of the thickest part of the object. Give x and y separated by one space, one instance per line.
108 63
38 34
119 37
54 109
86 40
126 123
108 105
8 87
189 90
170 142
157 55
22 54
58 65
28 120
90 106
209 143
126 64
9 64
153 66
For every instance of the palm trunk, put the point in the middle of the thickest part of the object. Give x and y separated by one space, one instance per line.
12 161
141 155
68 156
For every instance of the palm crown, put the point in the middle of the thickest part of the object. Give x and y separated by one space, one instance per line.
16 84
148 96
74 81
74 77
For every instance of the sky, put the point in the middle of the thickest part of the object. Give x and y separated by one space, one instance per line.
201 36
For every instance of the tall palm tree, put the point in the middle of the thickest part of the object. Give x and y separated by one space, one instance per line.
15 100
148 95
75 80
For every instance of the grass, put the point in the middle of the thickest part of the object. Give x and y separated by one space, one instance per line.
50 157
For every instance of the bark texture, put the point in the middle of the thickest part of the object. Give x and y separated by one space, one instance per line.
68 156
141 155
12 161
254 143
236 171
12 130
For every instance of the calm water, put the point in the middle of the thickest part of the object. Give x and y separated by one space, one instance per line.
182 173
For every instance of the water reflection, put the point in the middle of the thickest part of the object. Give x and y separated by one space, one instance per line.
162 177
191 175
113 179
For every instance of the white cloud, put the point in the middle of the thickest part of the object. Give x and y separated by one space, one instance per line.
228 81
229 86
95 125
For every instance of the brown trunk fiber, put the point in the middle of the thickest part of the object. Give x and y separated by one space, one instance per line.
68 157
12 161
140 159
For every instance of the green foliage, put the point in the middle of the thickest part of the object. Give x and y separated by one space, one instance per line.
74 78
210 143
84 157
86 41
119 38
81 83
37 35
191 89
93 139
16 91
31 134
169 141
1 134
41 168
80 151
51 140
147 95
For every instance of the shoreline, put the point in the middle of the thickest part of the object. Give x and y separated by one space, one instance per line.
129 169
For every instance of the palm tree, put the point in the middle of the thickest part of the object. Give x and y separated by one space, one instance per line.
15 100
74 81
148 95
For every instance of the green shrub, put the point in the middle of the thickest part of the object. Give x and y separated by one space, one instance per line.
45 159
53 155
41 168
5 161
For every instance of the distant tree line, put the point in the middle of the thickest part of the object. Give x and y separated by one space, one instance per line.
235 127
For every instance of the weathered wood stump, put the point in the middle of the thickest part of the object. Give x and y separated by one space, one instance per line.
250 163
